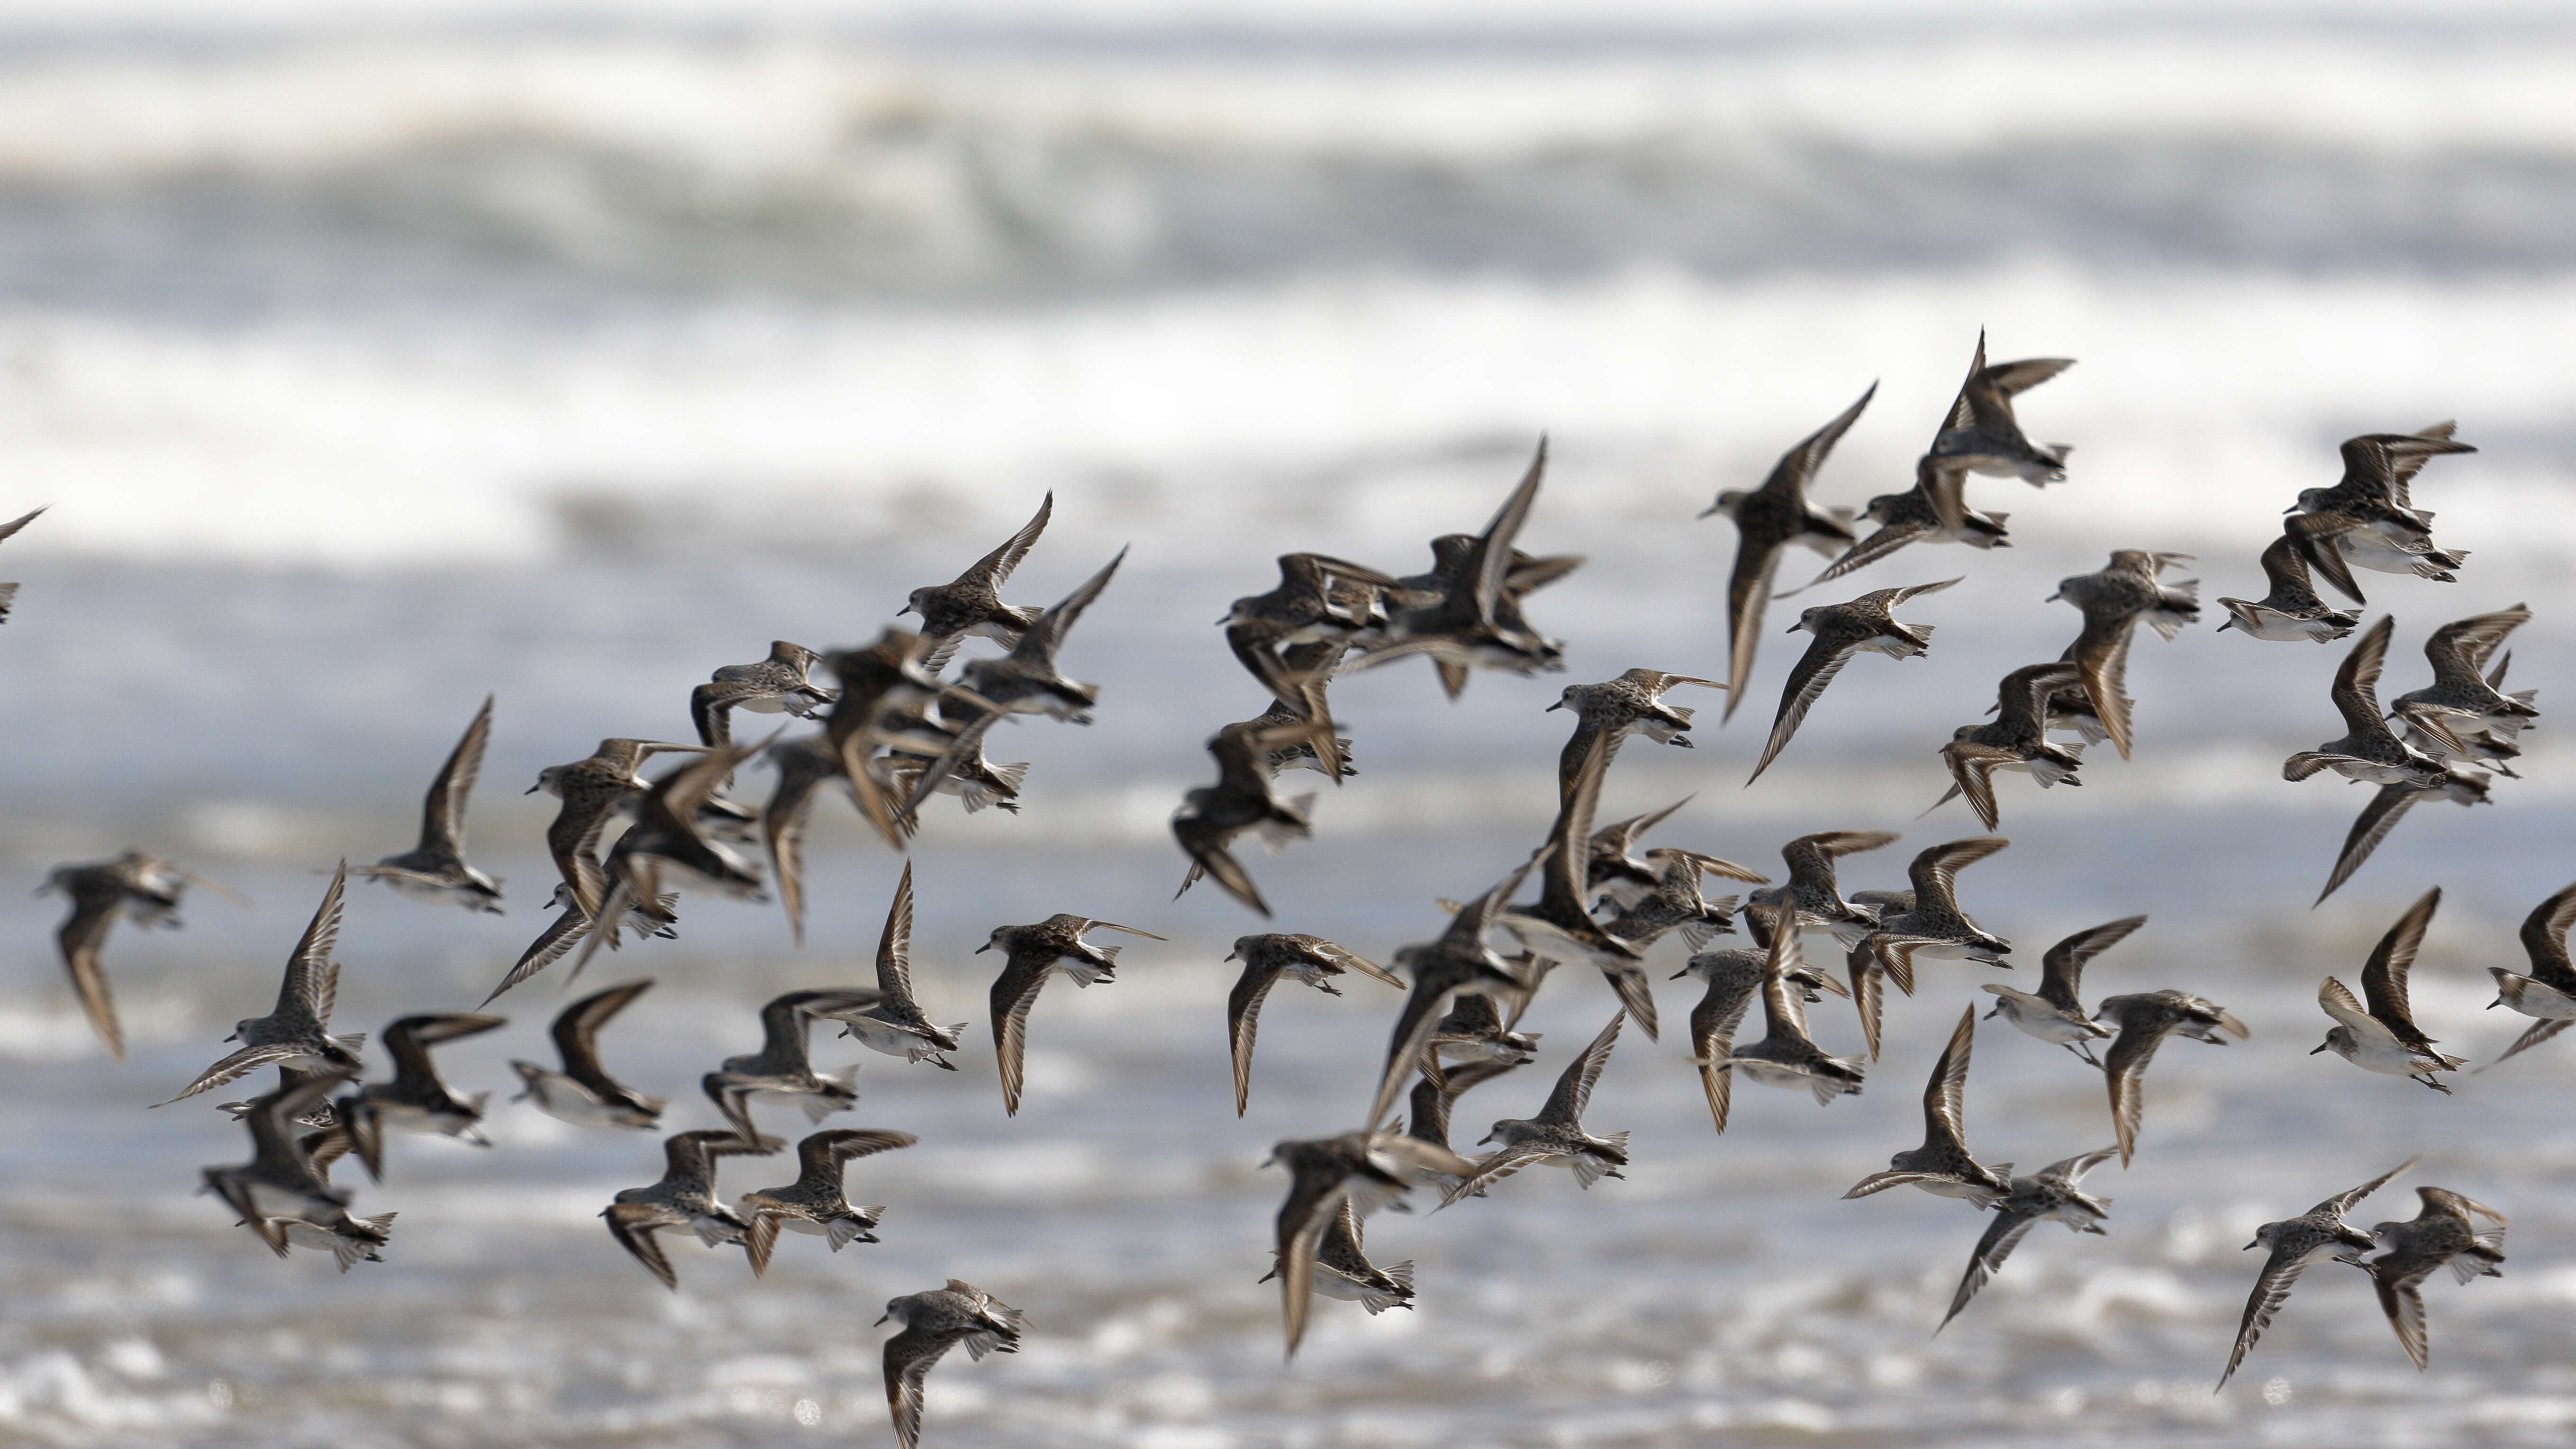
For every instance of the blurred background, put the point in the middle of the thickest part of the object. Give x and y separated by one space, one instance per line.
373 361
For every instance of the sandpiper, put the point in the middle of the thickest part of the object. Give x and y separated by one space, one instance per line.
583 1093
896 1025
2114 601
2054 1192
2055 1012
804 766
1555 1136
2549 991
2292 610
281 1184
1618 872
2459 701
1466 613
817 1202
782 1071
934 1322
349 1240
418 1099
148 889
1302 611
1933 926
2017 740
1934 510
1557 923
1434 1097
2444 1234
1477 1029
1842 632
1632 704
1943 1166
1734 978
1364 1170
2367 518
1769 521
2385 1038
1211 816
1343 1270
1031 955
435 869
2387 805
297 1032
1786 1056
571 927
2146 1018
1812 887
1675 904
592 790
1266 958
972 604
1981 430
684 1198
667 835
2292 1244
779 684
2489 748
1459 961
879 683
1028 680
2369 751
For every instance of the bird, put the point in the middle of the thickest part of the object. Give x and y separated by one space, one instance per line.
592 790
1632 704
2445 1233
1982 431
146 888
296 1033
896 1024
1459 961
2459 702
1031 954
2548 993
782 1071
1734 979
804 765
684 1198
2291 610
1932 926
1556 1135
972 604
1211 816
1365 1171
2493 748
1786 1056
1028 680
1466 613
1267 958
1943 1166
1842 632
9 592
2291 1245
817 1201
1343 1270
2114 601
2055 1013
1813 889
2369 750
418 1099
2017 740
1302 611
2385 1038
2368 519
1615 870
2055 1192
349 1240
1476 1029
2387 805
781 683
668 835
281 1184
2146 1018
571 927
1675 904
881 682
934 1322
1934 510
1435 1096
1557 923
1769 521
435 869
583 1093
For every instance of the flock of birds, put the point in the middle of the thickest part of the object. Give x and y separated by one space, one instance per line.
897 729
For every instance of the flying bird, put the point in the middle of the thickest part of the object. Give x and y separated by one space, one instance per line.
684 1198
1031 955
2447 1233
145 888
817 1202
1632 704
2146 1019
296 1033
2017 740
1982 431
1769 521
972 603
2384 1038
418 1099
2369 750
2054 1193
2291 1245
2292 610
1266 959
583 1093
1943 1165
1842 633
896 1025
2114 601
933 1323
2055 1013
435 869
2548 993
781 683
1555 1136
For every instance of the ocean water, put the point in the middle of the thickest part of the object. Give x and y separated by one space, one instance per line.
564 354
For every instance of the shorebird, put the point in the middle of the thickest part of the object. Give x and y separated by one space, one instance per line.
1476 1030
2017 740
2054 1192
1365 1171
667 834
571 927
1616 871
1435 1096
1842 633
583 1093
1632 704
782 1071
435 869
1466 613
1343 1270
2493 748
879 684
1769 521
1734 978
2367 519
1786 1056
1981 430
2385 1038
1812 887
418 1099
1460 961
934 1322
1555 1136
1943 1166
781 683
804 766
2369 751
9 592
816 1203
1301 611
2055 1012
1675 904
1295 754
2114 601
896 1024
2548 993
1932 926
2443 1235
1028 680
147 888
1557 923
281 1185
2292 1244
592 790
296 1033
350 1241
1266 958
684 1198
1032 954
2459 702
972 603
2292 610
1211 816
1934 510
2388 805
2146 1019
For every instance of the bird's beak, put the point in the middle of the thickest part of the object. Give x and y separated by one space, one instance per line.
2320 1046
899 613
532 789
1794 628
2249 1247
2053 598
1710 511
1229 955
2225 624
987 946
1553 708
880 1323
1678 975
2286 512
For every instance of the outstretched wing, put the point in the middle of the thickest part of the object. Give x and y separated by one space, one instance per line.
2280 1273
2383 980
2001 1236
1814 670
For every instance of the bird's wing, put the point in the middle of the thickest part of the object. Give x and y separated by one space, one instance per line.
2356 681
564 933
2339 1004
1044 637
2383 980
1972 768
1014 992
2316 537
1242 1019
2344 1202
994 569
1945 1095
2271 1290
2062 967
1807 680
2124 1068
442 824
2101 655
1713 1025
2532 1036
1573 1093
2544 936
1491 1168
1302 1219
576 1034
81 938
2401 1298
1748 595
1344 956
1870 550
1962 407
632 1225
894 947
908 1357
312 981
2387 805
2001 1236
1937 870
1491 562
233 1068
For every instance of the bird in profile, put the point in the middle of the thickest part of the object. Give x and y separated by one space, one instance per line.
2459 703
435 869
1632 704
1461 960
2146 1018
684 1198
1558 924
1734 980
1343 1269
2292 610
1365 1171
1934 510
1435 1096
2017 740
2548 992
1842 633
1769 521
349 1240
972 603
144 888
817 1202
934 1322
1268 958
1618 872
669 835
896 1025
282 1185
780 684
2368 519
2388 805
1813 888
1943 1166
1211 816
2055 1013
1932 926
2384 1038
297 1032
1555 1136
1032 954
592 790
583 1093
2369 750
2055 1193
1982 430
2291 1246
1677 903
418 1099
2114 601
1263 628
782 1071
2451 1232
1478 1030
1466 614
1029 680
1786 1057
